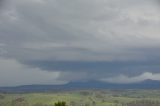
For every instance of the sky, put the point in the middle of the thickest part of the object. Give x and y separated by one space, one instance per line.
59 41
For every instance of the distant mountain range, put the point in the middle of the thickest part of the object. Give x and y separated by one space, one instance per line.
147 84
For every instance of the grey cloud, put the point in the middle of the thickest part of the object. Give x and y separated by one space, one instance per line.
97 69
2 3
101 38
18 74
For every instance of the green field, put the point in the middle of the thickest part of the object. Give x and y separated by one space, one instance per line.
82 97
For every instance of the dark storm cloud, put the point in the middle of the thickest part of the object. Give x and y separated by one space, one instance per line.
102 38
117 67
80 70
149 60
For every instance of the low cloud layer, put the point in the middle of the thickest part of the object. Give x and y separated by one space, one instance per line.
123 79
79 39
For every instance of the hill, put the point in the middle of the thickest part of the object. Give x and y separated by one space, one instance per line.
147 84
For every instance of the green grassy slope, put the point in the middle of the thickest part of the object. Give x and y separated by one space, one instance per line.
79 98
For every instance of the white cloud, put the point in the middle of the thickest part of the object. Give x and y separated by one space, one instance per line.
123 79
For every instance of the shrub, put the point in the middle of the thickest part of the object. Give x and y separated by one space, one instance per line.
60 104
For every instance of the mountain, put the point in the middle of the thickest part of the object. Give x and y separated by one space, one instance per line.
147 84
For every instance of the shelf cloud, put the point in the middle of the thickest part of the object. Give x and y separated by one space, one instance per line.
91 40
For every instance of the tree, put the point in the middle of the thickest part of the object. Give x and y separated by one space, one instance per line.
60 103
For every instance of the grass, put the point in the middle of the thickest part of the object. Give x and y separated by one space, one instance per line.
81 97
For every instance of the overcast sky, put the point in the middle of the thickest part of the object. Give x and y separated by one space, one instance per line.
58 41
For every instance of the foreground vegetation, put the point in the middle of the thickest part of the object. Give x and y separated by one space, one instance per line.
84 98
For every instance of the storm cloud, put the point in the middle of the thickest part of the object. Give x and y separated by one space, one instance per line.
79 39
